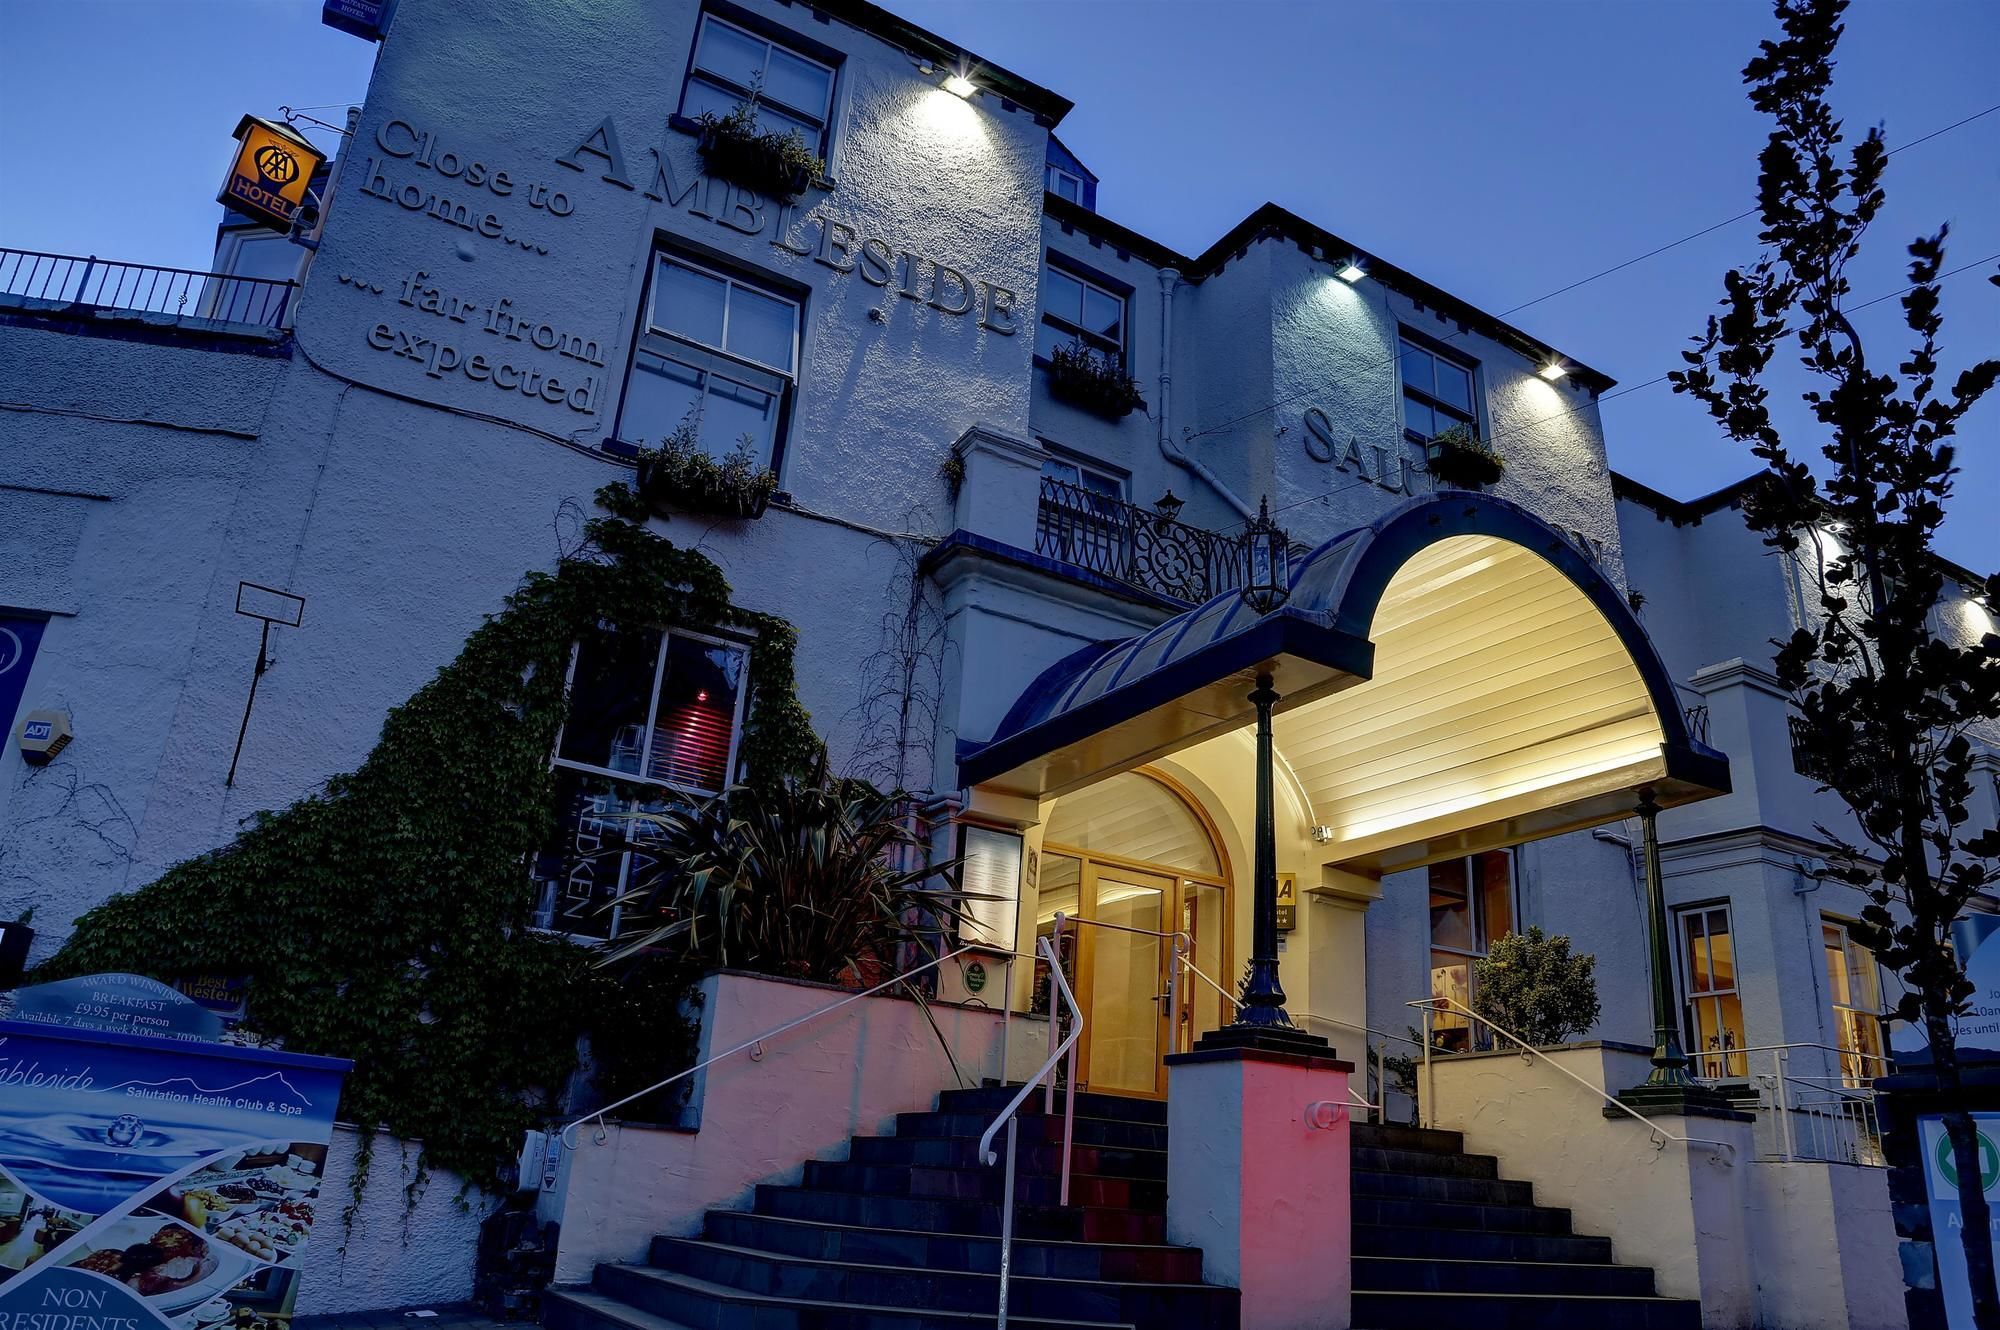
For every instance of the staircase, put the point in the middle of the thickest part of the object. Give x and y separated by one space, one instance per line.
904 1235
1440 1239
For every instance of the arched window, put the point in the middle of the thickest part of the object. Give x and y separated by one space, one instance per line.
1135 817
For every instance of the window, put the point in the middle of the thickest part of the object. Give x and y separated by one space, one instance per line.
1855 985
1472 902
1084 477
1076 310
250 252
1708 982
653 719
1063 184
1081 516
1437 393
716 351
794 92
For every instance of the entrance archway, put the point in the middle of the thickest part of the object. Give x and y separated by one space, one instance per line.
1135 856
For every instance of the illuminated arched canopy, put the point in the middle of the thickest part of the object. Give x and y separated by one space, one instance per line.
1453 676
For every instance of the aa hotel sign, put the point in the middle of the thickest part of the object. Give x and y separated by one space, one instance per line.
435 323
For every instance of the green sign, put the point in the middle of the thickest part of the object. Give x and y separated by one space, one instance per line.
975 977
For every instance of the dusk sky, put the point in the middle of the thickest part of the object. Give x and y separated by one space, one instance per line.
1500 151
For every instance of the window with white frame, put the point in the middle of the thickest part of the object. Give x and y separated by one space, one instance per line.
1077 311
654 720
793 91
1854 984
717 351
1472 903
1063 184
1709 987
1437 392
1085 477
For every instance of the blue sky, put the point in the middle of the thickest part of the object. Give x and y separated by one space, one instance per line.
1500 150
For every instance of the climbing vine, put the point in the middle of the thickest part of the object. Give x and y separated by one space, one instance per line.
386 918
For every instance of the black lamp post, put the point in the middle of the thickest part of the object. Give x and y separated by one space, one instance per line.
1261 1018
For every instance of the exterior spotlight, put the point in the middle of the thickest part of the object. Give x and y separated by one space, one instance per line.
1351 271
1555 371
958 85
1267 561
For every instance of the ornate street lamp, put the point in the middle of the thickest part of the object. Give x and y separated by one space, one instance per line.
1267 562
1168 506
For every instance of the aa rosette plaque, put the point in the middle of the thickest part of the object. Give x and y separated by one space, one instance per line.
149 1176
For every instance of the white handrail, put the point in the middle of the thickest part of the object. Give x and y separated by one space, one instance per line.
599 1135
1660 1134
986 1155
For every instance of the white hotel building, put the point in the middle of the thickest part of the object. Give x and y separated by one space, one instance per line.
522 272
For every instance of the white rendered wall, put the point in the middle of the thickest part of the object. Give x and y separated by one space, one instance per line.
403 1250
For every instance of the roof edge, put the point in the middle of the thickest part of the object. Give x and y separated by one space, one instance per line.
1049 107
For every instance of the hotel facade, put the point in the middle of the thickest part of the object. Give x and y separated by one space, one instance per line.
1018 589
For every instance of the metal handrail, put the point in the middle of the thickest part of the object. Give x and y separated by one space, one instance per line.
599 1135
63 281
1661 1135
1358 1099
986 1156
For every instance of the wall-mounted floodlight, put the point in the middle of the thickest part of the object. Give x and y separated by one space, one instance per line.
958 85
1555 371
1351 271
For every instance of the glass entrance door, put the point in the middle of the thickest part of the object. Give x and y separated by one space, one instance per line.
1125 963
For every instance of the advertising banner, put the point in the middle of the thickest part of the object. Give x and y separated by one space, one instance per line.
1947 1222
152 1179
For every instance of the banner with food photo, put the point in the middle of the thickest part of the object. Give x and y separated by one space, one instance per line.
150 1179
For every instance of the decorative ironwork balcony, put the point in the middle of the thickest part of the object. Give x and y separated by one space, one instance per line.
1140 547
31 280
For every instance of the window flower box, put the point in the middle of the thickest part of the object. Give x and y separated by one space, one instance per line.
779 166
1460 459
679 472
1090 379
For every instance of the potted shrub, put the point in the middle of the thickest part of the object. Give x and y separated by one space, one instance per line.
1085 377
679 471
1461 459
778 165
1534 986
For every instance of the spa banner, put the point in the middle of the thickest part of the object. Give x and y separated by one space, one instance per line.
153 1180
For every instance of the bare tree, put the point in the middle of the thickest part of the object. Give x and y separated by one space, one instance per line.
1886 703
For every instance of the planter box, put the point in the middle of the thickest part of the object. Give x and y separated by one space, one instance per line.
1463 465
660 486
1113 396
752 163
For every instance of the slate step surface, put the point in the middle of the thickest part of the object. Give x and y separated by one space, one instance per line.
1498 1311
1029 1159
990 1099
1410 1274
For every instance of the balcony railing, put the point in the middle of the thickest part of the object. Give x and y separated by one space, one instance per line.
1137 546
63 282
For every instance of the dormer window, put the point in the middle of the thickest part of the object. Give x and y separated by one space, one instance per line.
793 91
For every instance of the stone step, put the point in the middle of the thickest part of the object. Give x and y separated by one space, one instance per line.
1442 1245
676 1302
1195 1306
989 1184
990 1099
1460 1215
1390 1136
1504 1311
1035 1127
1435 1187
1423 1163
1127 1262
1410 1274
1039 1158
1068 1223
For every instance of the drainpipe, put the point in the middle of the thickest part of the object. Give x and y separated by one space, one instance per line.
1169 279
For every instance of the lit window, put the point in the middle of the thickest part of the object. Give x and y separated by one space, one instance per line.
653 721
1437 393
793 92
1472 902
1708 982
716 352
1063 184
1855 985
1076 311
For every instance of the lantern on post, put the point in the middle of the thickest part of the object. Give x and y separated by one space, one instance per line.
1267 562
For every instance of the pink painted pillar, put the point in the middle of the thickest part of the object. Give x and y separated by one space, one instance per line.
1257 1177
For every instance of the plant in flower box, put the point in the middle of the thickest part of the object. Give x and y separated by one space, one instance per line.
681 472
734 149
1462 460
1093 380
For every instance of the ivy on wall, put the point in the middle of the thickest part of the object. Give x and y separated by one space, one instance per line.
386 918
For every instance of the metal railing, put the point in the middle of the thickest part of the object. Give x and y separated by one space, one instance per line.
1140 547
1427 1101
566 1135
1045 1076
30 279
1824 1115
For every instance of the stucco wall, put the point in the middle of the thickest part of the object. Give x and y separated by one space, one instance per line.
844 1074
405 1249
